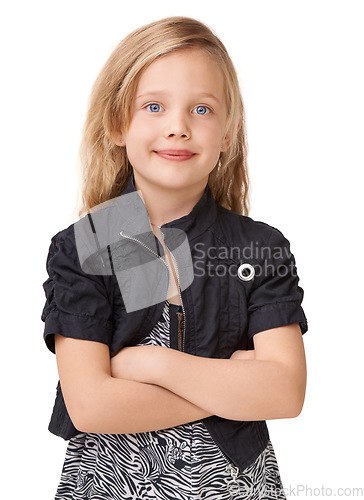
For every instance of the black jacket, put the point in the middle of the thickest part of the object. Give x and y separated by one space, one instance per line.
225 305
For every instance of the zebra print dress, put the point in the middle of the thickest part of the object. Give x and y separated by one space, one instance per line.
180 463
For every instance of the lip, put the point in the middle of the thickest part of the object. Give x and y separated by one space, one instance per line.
175 154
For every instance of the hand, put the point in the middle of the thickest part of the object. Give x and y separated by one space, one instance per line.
138 363
243 354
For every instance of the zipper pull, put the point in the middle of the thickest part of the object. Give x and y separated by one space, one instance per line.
233 486
180 330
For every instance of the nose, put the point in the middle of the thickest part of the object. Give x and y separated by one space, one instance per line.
178 126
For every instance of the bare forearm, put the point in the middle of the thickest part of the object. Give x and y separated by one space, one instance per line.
233 389
125 406
269 385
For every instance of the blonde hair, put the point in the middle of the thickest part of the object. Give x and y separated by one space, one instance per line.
105 165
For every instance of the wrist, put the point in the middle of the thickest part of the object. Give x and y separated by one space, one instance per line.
167 362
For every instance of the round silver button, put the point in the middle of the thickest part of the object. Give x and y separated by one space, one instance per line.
246 272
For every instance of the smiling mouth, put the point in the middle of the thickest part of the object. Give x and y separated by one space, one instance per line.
175 154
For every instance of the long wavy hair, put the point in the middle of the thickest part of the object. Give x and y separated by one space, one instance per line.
105 168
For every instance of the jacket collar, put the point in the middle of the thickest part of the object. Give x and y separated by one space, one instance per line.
193 224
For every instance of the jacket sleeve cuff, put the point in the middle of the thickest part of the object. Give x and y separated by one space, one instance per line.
77 327
276 315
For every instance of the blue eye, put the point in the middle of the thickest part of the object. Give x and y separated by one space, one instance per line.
202 110
154 108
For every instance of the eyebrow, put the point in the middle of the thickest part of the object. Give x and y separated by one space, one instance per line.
158 93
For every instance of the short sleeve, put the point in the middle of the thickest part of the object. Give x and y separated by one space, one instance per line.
77 304
275 299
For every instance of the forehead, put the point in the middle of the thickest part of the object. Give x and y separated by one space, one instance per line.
191 69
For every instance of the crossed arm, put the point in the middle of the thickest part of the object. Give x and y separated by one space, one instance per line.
147 388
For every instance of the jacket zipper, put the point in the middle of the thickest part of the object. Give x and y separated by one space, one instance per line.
145 246
181 318
180 330
233 486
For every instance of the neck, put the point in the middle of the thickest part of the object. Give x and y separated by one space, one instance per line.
165 205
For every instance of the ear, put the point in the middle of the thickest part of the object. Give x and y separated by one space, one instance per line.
118 139
239 124
225 143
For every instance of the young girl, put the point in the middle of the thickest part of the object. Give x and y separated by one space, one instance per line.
175 318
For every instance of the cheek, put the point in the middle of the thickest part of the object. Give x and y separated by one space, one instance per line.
137 126
212 134
139 135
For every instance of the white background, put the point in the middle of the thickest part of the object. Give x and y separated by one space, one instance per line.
300 65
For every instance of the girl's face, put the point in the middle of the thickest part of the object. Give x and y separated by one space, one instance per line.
176 131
